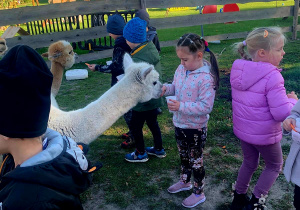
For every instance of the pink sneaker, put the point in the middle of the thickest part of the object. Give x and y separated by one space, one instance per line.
193 200
179 186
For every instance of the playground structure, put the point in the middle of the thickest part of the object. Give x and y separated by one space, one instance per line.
59 1
207 9
231 8
78 22
81 8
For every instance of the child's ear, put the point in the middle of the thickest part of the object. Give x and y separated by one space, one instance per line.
200 55
261 53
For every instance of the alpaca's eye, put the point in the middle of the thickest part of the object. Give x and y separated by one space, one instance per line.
154 83
70 52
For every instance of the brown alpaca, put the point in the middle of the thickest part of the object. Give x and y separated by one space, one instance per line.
62 57
3 46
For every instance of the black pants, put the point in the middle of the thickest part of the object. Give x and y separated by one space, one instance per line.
190 143
127 117
137 122
297 197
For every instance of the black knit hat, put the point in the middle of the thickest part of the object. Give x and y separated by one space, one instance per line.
115 24
25 87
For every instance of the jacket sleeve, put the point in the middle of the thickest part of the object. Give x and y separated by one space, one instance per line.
116 67
280 105
171 87
156 43
103 68
47 201
117 63
295 113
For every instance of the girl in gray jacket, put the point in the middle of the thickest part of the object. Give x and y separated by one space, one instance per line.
292 163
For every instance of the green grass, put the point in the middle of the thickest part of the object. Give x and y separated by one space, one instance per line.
123 184
130 183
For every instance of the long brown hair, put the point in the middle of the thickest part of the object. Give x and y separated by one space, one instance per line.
196 43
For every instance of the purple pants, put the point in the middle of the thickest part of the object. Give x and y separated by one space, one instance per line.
272 155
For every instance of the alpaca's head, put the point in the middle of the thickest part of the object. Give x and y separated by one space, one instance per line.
61 52
145 75
3 46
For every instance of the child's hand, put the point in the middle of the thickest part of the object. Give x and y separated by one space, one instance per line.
91 66
163 90
287 124
292 95
173 105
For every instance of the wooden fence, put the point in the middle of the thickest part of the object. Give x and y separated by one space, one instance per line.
27 14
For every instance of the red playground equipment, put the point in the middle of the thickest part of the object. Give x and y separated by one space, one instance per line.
209 9
231 8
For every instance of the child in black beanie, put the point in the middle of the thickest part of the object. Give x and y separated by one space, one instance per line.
41 169
114 27
151 31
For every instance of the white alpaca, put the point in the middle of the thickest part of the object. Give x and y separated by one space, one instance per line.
140 84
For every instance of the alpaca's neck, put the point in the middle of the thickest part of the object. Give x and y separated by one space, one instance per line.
85 125
57 70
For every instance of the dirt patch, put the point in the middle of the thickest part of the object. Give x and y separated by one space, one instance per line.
214 199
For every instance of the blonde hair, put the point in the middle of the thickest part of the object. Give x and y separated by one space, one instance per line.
260 38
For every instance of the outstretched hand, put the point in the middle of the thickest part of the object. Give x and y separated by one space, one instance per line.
292 95
91 66
163 90
287 124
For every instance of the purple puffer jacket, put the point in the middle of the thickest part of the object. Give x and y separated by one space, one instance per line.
259 102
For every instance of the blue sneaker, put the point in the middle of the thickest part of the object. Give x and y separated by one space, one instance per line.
153 151
132 157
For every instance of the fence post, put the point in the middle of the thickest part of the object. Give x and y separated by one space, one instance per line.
295 20
143 4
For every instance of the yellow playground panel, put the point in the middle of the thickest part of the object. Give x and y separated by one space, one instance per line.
178 8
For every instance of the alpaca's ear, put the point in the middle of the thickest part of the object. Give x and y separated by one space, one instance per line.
127 61
57 54
145 72
45 55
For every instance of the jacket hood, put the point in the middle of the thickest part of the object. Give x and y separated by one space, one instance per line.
121 42
151 31
147 50
54 167
244 74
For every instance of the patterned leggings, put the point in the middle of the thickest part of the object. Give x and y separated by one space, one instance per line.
190 143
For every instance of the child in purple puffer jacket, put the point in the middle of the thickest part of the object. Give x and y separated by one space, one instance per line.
194 85
259 105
